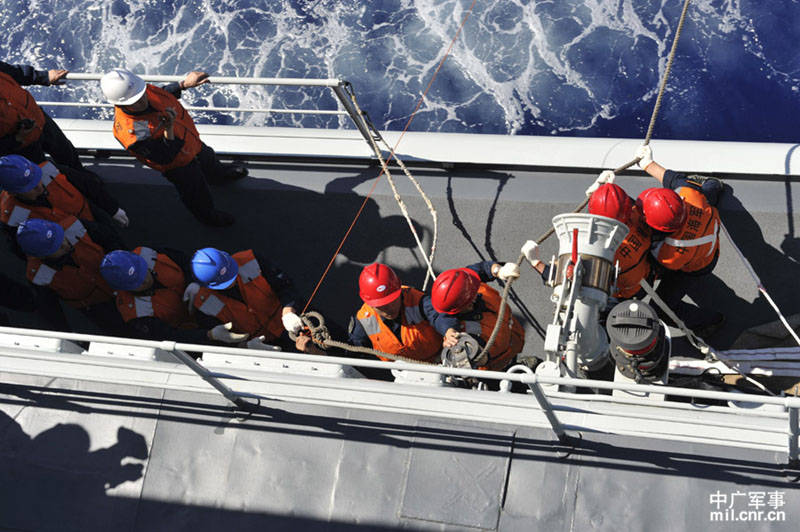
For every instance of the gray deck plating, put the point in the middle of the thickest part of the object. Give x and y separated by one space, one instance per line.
84 456
81 456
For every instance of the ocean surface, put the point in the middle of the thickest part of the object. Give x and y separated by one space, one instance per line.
519 67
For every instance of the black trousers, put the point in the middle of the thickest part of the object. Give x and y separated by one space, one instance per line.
54 142
192 180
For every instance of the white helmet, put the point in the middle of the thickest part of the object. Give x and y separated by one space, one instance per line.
122 87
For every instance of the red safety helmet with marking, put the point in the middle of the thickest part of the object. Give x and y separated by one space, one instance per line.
662 208
378 285
454 290
612 201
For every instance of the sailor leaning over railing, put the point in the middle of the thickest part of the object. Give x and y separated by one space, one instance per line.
154 127
25 129
686 225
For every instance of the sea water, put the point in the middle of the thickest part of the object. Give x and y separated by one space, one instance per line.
519 67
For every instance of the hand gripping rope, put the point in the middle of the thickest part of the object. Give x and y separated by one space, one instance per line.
622 168
320 335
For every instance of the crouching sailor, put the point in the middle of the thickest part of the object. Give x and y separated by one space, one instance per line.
246 293
465 303
150 286
391 320
65 257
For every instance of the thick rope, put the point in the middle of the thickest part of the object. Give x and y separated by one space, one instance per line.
321 337
760 286
385 169
585 202
377 179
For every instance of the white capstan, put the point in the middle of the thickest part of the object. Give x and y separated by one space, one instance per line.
122 87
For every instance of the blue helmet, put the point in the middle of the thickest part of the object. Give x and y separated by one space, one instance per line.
18 174
39 238
123 270
214 269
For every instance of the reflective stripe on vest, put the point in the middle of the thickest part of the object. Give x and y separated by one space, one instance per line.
143 306
141 130
18 215
74 232
708 239
370 324
49 171
149 255
44 275
212 305
249 271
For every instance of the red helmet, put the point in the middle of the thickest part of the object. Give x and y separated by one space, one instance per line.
378 285
454 290
611 201
662 208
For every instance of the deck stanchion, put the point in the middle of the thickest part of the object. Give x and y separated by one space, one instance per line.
210 379
547 408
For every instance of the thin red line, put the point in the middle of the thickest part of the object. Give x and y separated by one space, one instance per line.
391 154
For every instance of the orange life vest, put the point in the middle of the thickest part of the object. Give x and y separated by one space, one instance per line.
632 256
80 286
260 314
64 198
166 304
129 129
695 245
17 104
418 339
510 337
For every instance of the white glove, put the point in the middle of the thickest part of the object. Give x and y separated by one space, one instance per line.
606 176
645 155
509 271
190 294
258 343
292 322
121 218
531 252
222 333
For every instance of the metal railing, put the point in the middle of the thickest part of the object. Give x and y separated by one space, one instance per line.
666 412
337 86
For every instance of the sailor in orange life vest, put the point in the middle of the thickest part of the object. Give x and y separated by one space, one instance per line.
612 201
25 129
150 286
465 303
242 297
65 258
392 319
31 191
154 127
686 227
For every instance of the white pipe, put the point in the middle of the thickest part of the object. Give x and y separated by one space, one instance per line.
193 108
222 80
789 402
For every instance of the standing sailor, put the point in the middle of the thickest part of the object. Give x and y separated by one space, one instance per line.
612 201
25 129
686 227
154 127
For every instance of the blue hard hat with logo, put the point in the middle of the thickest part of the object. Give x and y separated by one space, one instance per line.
123 270
18 174
39 238
214 269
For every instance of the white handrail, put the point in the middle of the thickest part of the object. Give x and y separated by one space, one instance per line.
223 80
